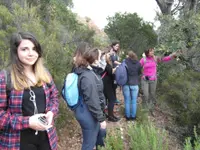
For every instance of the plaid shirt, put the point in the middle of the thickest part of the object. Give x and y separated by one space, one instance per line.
12 121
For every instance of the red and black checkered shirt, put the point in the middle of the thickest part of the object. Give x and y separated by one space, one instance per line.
12 121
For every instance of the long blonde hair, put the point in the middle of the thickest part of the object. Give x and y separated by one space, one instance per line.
20 80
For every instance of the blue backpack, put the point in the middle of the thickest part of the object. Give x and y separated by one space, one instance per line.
121 75
70 92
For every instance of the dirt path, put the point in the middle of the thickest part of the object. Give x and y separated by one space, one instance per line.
70 138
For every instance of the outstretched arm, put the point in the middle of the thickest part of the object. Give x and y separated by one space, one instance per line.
168 58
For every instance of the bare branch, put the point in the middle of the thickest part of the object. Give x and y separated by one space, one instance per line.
179 2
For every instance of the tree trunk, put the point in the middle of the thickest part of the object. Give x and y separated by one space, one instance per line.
165 6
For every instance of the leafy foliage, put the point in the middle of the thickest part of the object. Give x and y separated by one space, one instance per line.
132 32
113 141
181 92
192 144
146 136
6 28
181 34
54 25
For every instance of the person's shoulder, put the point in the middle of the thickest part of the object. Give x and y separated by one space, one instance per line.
86 74
3 72
142 59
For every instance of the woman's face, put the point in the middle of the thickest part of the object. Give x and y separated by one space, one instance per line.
116 47
27 53
108 57
151 52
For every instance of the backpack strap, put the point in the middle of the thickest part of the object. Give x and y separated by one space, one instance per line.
8 82
145 60
103 75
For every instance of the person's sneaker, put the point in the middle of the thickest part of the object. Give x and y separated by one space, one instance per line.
133 118
117 118
128 118
117 101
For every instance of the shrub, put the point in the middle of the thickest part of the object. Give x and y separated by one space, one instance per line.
146 136
192 143
65 116
113 140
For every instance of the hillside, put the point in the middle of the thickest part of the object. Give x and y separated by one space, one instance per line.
70 136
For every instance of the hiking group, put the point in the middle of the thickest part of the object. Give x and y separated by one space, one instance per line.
29 98
99 73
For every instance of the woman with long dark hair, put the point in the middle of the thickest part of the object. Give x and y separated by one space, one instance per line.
108 81
114 57
28 109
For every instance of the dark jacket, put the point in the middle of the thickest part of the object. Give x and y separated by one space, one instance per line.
108 79
98 71
114 57
133 70
90 92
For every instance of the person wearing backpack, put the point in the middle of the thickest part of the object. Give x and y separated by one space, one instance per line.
89 113
28 99
130 89
149 76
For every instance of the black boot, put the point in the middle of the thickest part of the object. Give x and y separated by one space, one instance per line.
113 119
116 117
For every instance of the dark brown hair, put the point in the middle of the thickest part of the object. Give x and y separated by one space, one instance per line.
114 43
132 55
91 55
80 61
147 51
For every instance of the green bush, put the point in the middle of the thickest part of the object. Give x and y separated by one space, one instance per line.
146 136
113 140
192 144
65 116
181 93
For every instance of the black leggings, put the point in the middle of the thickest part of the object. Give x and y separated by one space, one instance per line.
30 141
110 95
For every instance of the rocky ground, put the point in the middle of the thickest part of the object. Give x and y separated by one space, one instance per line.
70 137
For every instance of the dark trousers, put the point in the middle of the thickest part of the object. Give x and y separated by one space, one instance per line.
30 141
114 89
110 95
100 138
92 135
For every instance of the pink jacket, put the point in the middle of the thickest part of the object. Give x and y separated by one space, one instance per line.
150 66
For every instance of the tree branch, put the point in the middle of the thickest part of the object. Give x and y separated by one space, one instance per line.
177 7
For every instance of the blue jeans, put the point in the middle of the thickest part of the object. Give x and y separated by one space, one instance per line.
92 134
130 93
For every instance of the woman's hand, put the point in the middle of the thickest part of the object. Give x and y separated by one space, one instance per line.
35 124
175 54
103 125
49 116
